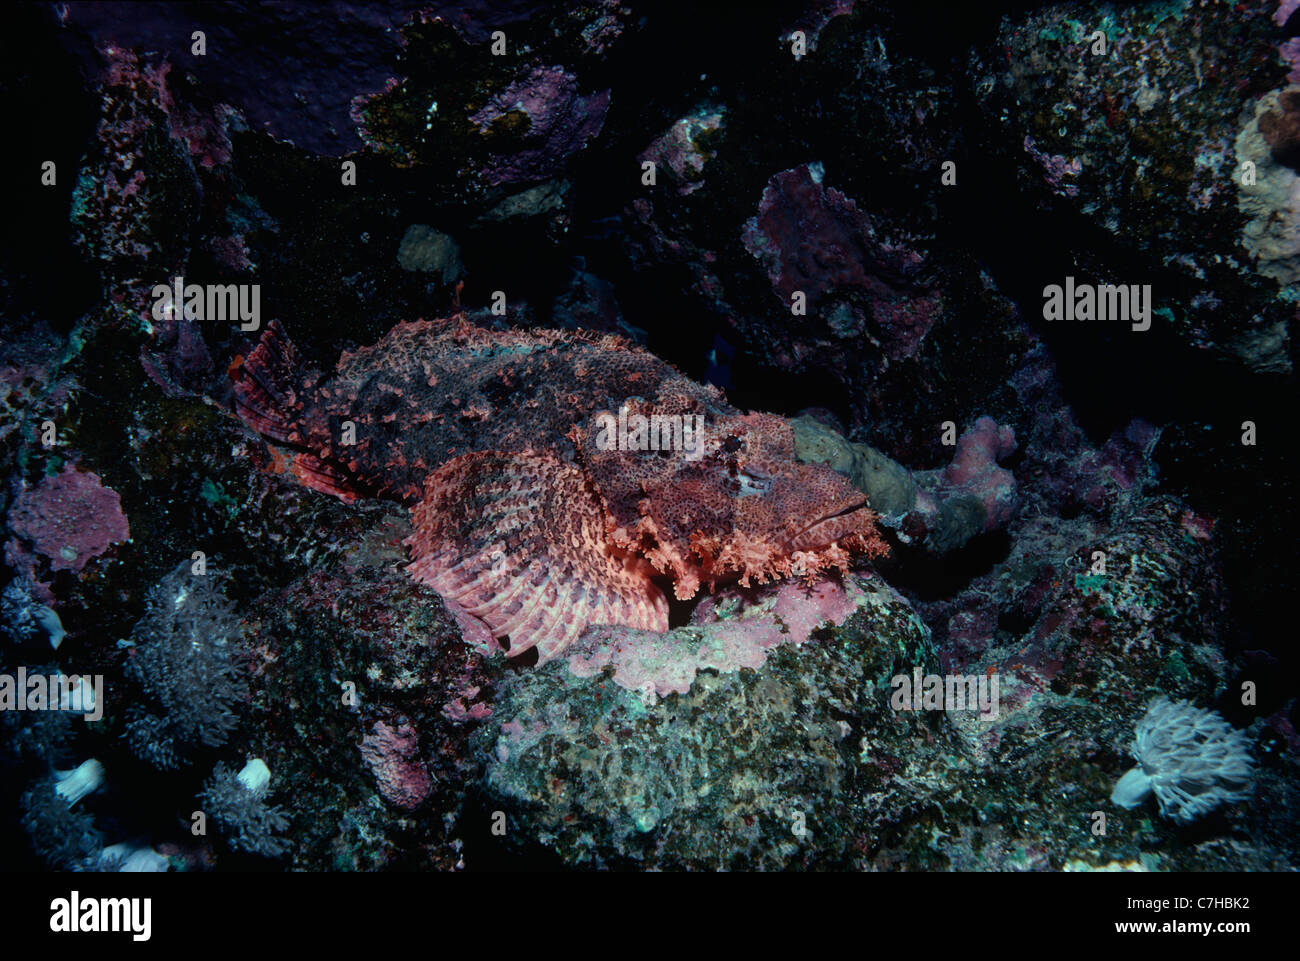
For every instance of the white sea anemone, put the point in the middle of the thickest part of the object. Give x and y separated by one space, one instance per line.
131 860
1191 758
255 776
73 785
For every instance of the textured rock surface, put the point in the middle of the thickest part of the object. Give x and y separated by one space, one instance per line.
717 777
1146 143
70 519
366 695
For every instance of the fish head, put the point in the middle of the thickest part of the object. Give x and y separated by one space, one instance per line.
732 503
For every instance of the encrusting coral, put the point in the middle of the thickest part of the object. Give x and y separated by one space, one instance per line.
237 803
184 663
66 837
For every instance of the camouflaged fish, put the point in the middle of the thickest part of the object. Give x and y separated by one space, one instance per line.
556 479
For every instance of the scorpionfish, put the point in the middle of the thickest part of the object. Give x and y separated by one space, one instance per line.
554 478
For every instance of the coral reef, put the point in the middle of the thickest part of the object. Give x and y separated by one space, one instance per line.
1145 138
1268 200
497 563
748 770
544 110
66 838
728 631
431 251
69 518
263 79
364 683
814 239
185 662
242 813
391 753
24 616
683 147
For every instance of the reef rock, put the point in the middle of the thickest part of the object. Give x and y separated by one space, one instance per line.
749 768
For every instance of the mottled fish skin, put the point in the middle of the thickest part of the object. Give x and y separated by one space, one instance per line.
522 517
430 391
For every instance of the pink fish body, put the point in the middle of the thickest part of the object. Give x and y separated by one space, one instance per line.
556 479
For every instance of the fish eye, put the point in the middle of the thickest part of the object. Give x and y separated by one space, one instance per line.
732 445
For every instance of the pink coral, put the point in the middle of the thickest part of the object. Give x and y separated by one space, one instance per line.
817 240
728 631
392 754
70 518
974 470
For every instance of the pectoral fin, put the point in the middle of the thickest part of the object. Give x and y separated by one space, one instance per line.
518 540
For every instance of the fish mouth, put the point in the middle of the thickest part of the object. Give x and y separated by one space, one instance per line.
832 527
